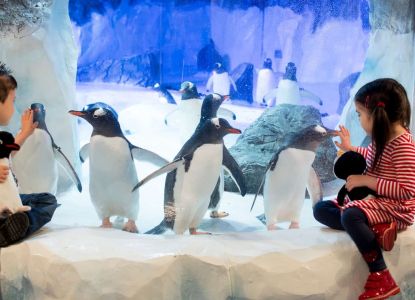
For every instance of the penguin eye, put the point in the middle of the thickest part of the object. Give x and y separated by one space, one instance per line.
217 126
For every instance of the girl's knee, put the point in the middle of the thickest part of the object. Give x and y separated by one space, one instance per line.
352 215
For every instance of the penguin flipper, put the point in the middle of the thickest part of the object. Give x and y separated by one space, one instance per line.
166 169
215 196
67 166
168 96
226 113
259 189
309 95
314 187
148 156
84 153
232 167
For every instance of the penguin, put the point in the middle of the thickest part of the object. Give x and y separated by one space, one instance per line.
193 175
36 164
164 93
288 90
266 81
111 163
188 114
288 174
9 194
220 81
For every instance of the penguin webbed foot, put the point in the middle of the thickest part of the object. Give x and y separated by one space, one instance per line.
106 223
130 226
294 225
193 231
218 214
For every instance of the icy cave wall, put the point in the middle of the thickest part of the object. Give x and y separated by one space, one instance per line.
36 42
326 39
391 53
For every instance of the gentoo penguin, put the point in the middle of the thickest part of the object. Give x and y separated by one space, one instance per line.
36 164
193 175
220 82
9 195
288 90
164 93
188 114
111 165
265 81
289 173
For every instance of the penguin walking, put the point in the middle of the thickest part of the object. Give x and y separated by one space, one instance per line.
111 162
36 164
193 175
288 90
188 114
289 173
9 195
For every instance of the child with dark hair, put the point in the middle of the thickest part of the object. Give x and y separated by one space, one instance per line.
37 209
384 113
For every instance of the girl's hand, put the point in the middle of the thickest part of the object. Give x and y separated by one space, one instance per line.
354 181
5 212
4 172
345 143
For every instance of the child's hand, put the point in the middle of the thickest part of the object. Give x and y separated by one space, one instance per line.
354 181
27 123
344 135
4 172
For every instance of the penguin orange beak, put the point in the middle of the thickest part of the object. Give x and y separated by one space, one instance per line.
13 146
234 130
76 113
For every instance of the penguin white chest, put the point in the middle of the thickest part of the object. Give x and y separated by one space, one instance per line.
193 188
112 177
284 188
35 165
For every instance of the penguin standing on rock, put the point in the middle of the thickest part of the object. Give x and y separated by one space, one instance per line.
289 173
111 162
36 164
193 175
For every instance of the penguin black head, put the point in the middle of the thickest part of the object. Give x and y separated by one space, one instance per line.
215 129
7 144
189 90
267 63
219 68
39 113
312 136
290 72
210 106
102 117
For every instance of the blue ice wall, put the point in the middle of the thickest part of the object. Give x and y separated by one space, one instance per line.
140 42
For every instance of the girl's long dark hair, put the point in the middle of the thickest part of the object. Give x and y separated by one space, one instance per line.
387 102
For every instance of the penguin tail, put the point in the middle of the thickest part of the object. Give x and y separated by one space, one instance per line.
159 229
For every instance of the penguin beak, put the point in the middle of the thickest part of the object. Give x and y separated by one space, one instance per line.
13 146
76 113
233 130
331 132
226 97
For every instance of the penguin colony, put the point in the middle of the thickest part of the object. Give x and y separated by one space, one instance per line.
194 181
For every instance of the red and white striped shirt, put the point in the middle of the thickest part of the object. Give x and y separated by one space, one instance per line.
395 175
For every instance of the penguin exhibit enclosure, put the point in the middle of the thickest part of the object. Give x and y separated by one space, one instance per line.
187 143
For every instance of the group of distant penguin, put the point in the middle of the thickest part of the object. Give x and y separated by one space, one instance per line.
195 179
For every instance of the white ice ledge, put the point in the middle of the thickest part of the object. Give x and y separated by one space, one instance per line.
94 263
